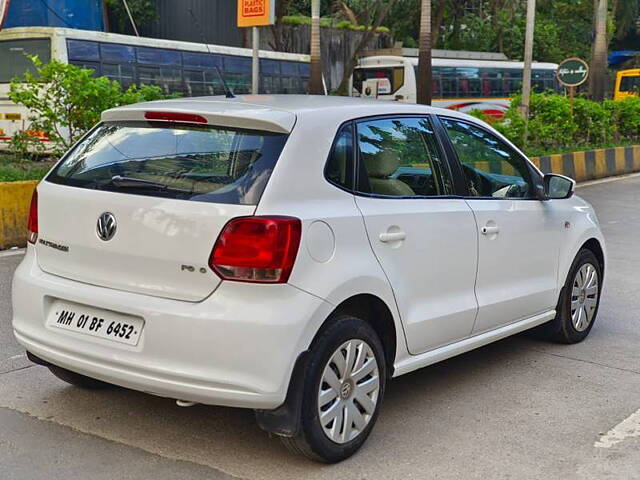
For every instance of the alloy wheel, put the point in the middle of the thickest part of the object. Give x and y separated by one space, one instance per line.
584 296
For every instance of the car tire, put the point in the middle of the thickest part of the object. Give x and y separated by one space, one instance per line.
78 380
579 302
353 340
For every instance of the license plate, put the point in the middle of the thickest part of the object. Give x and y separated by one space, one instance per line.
95 322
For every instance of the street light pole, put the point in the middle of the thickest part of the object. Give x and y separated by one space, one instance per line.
528 60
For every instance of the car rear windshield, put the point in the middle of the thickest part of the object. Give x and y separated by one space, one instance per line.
205 164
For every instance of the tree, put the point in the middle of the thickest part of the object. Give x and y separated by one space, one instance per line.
423 80
371 17
277 30
143 12
315 80
65 101
598 68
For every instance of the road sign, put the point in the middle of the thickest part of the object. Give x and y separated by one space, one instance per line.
572 72
256 13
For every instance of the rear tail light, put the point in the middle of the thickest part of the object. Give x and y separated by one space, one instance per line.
257 249
32 224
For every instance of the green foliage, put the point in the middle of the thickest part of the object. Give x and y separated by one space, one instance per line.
328 23
556 124
11 173
17 169
65 101
563 27
143 12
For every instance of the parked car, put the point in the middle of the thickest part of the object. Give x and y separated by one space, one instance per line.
290 254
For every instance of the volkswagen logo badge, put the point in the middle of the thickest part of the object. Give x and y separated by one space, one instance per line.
107 226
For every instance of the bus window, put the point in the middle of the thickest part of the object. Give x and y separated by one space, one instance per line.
115 53
149 75
290 77
123 74
83 51
269 76
201 60
13 56
157 56
469 82
237 73
393 78
449 82
511 81
492 82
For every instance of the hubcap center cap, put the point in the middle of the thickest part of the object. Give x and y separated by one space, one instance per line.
345 390
583 296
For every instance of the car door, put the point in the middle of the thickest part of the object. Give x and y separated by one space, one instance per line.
519 235
424 237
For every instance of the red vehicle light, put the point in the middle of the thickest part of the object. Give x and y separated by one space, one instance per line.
32 224
175 117
257 249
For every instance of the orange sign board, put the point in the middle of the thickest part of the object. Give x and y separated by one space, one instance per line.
256 13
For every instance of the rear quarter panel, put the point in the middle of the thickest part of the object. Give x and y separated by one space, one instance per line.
334 261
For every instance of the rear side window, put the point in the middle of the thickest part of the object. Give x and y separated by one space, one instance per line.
206 164
339 169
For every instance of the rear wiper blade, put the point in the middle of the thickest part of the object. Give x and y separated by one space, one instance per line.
131 182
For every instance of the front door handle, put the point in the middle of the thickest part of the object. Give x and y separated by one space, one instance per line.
490 230
392 237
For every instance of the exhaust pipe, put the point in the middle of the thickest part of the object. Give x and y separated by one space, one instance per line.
185 404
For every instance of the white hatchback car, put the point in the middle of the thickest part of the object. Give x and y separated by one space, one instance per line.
290 254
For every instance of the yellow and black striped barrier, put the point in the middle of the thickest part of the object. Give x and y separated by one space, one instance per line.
15 198
591 164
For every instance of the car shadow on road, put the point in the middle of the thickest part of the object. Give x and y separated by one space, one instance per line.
209 434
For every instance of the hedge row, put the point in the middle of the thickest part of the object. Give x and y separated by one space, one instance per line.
556 124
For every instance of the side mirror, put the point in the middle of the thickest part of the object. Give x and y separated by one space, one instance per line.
558 187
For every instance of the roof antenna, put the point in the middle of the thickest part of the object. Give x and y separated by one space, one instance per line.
228 91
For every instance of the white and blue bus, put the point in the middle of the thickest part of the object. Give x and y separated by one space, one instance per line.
189 69
458 83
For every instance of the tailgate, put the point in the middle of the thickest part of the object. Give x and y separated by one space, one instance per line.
161 246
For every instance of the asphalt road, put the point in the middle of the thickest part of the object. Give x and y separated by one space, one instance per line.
520 408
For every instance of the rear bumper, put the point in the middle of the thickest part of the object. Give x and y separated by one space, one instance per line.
236 348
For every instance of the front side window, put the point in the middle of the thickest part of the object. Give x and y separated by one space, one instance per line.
491 168
207 164
400 157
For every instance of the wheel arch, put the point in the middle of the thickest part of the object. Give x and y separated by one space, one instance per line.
373 310
285 420
593 244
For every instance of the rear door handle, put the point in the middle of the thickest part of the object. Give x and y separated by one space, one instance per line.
392 237
490 230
